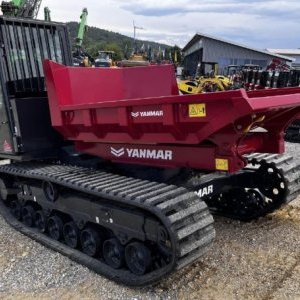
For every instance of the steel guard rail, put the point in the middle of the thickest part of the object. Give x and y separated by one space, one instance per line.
135 115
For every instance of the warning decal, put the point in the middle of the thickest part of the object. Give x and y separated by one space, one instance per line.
197 110
222 164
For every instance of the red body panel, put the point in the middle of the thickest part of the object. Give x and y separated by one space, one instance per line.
135 115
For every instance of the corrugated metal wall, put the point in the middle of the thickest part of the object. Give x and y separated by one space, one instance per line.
296 65
223 54
297 61
226 54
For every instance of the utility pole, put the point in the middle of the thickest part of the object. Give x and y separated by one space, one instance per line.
134 36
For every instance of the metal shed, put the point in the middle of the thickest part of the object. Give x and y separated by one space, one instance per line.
203 48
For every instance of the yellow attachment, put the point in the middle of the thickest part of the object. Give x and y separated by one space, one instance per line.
189 87
204 84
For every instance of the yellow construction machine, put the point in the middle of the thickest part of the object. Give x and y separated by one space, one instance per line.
206 83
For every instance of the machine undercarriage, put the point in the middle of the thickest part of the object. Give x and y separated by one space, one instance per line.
136 231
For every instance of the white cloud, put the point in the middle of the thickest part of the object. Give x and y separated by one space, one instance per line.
261 24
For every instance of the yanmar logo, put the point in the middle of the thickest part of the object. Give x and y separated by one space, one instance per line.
151 113
135 114
117 152
142 153
205 191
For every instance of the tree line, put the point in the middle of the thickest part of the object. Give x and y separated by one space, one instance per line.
97 39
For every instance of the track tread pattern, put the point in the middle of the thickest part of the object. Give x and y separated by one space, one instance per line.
288 164
292 133
185 216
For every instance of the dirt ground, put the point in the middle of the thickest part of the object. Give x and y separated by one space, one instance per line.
256 260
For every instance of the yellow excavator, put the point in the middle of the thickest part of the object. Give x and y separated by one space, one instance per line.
206 83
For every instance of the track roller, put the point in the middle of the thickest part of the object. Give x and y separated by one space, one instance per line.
55 227
71 234
16 210
28 215
91 242
138 258
40 221
114 253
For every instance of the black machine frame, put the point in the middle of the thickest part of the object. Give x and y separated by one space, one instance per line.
25 127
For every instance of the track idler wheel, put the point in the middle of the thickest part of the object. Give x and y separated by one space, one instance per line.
138 258
91 242
40 221
28 215
50 191
55 227
272 183
71 234
113 253
16 210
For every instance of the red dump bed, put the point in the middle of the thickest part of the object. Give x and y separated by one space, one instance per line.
135 115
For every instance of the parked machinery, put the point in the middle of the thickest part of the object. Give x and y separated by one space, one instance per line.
205 80
80 56
204 84
105 59
119 174
276 75
282 75
21 8
292 133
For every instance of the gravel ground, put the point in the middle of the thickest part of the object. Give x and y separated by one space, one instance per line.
255 260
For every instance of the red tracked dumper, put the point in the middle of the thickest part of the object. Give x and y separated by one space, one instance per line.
197 149
129 184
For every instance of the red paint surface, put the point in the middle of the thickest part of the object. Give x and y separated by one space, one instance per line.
103 108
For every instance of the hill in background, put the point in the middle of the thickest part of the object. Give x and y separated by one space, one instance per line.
99 39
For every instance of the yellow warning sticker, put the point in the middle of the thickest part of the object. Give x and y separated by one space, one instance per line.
222 164
197 110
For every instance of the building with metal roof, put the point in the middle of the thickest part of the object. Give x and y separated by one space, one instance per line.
208 51
293 53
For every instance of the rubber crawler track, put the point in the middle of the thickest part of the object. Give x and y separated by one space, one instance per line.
184 215
292 133
289 167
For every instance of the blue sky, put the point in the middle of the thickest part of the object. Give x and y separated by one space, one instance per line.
260 24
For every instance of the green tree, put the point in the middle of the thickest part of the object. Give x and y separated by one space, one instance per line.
97 39
116 48
176 50
94 48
